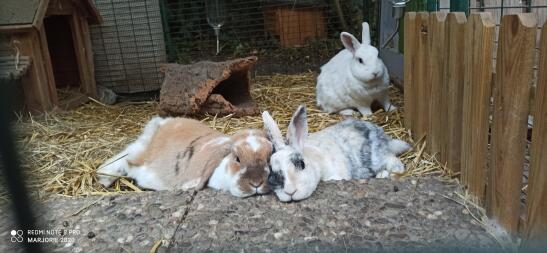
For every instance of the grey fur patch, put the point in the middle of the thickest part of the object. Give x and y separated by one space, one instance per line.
298 161
275 179
371 142
189 152
177 165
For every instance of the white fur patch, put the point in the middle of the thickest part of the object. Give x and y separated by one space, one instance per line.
134 149
220 179
191 184
115 166
146 178
253 142
383 174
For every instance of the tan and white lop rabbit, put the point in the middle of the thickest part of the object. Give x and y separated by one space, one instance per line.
180 153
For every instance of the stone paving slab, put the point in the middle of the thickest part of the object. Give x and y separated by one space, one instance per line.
381 215
344 216
121 223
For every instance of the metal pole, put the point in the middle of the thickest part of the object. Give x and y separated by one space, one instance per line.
528 4
481 5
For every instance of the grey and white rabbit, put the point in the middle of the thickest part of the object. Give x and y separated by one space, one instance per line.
351 149
354 78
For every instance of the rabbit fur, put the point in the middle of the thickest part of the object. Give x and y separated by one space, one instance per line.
354 78
180 153
351 149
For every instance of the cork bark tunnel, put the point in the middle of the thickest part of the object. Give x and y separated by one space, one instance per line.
208 87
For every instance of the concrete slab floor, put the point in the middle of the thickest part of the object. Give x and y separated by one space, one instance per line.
344 216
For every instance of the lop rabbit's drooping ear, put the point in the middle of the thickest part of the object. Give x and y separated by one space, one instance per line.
180 153
350 42
298 129
366 34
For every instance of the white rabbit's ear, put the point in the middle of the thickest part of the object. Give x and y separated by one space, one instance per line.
272 130
350 42
366 34
298 129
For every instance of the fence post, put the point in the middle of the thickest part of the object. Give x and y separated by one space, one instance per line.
535 231
454 92
420 122
411 38
438 73
479 44
517 41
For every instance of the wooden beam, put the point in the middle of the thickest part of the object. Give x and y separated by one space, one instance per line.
454 92
479 44
80 48
535 231
515 60
437 79
62 7
35 85
420 122
409 67
40 14
87 7
16 28
44 48
90 64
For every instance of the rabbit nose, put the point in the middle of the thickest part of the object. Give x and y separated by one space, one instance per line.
256 185
290 194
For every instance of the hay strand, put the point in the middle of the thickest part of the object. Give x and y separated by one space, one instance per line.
63 149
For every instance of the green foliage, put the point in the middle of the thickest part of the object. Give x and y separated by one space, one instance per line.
191 39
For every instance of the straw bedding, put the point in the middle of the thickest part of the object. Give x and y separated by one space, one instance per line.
62 150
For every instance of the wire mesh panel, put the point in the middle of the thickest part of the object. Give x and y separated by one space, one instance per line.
129 46
288 36
498 8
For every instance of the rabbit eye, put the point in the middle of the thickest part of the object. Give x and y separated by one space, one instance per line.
360 60
237 159
300 165
298 162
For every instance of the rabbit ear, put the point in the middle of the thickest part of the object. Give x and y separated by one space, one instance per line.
272 130
298 129
366 34
350 42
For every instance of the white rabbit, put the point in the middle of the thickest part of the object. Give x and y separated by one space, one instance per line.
349 149
179 153
354 78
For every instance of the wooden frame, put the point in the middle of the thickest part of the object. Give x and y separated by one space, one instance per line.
39 82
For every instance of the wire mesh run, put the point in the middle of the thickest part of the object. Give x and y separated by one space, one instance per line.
129 46
498 8
288 36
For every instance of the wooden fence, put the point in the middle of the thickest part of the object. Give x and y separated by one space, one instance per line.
475 120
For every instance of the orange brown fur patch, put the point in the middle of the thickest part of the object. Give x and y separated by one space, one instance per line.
253 150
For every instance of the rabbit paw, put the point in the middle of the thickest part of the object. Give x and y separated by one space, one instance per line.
107 174
346 112
393 164
390 108
382 174
365 111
